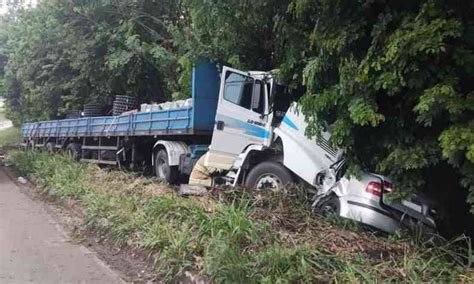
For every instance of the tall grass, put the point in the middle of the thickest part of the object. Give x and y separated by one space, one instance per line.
10 136
233 236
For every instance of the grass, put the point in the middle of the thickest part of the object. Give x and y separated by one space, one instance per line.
232 235
10 136
2 109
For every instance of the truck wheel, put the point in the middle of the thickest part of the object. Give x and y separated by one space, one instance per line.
268 176
331 206
163 170
50 147
74 151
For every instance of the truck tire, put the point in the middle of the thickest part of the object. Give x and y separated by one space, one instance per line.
50 147
268 176
74 150
30 145
163 170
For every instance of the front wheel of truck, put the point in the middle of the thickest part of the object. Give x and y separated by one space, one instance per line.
268 176
163 170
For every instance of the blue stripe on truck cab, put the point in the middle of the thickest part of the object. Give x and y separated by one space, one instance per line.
249 129
290 123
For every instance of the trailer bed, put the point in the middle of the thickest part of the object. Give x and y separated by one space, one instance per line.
171 122
196 119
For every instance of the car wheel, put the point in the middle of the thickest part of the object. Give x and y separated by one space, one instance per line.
163 170
268 176
330 207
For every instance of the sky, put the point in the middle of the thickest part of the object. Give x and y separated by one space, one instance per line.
4 4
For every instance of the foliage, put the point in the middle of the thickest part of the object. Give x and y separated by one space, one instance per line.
232 237
64 54
240 33
391 80
10 136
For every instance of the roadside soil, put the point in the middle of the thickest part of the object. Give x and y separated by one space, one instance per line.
109 264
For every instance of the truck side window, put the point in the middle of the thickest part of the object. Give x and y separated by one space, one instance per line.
261 102
238 89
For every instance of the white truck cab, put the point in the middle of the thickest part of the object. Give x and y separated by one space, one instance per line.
242 118
257 114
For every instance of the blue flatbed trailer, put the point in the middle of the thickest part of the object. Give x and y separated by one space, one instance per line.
127 140
196 119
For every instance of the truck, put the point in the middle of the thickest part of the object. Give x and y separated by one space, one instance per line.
250 128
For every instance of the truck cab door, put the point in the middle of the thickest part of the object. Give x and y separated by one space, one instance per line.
240 118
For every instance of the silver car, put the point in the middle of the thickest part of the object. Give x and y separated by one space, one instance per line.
364 199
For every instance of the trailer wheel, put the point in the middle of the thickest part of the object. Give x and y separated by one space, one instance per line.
50 147
74 151
163 170
268 176
30 145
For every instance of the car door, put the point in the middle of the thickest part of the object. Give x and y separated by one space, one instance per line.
240 119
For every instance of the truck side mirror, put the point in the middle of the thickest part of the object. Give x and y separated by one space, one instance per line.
256 96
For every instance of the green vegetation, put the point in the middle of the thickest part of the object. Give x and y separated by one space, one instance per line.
10 136
391 79
232 235
2 109
64 54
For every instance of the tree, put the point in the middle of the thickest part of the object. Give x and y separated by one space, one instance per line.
393 81
65 54
240 33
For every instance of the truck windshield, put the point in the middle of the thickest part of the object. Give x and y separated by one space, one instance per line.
282 97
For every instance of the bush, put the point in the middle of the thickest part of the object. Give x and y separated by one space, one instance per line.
10 136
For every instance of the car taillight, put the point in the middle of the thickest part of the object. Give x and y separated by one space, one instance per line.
387 186
375 187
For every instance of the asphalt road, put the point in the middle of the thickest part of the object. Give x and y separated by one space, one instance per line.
35 249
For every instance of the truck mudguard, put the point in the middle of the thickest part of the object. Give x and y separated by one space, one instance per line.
174 149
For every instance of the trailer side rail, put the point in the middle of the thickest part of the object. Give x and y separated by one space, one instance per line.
172 121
